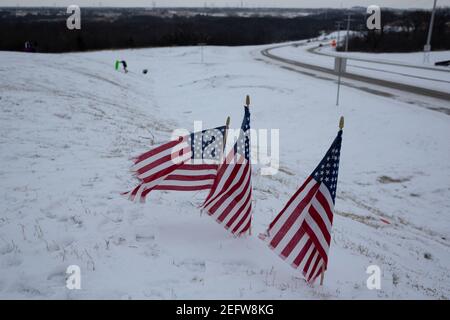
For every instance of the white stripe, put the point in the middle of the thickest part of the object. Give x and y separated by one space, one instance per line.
298 247
316 205
225 190
182 183
223 179
316 229
230 198
194 173
139 193
163 166
287 213
326 193
150 184
157 156
238 205
305 257
292 230
239 230
311 265
319 267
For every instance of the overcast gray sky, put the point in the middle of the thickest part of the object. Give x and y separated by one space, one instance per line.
224 3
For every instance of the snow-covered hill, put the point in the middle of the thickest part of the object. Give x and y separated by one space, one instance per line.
69 124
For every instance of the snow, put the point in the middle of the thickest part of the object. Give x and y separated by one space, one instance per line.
410 58
70 124
435 78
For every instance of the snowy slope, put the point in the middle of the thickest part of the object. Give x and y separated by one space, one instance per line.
69 124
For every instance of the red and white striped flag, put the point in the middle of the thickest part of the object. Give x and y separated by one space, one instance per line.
301 232
189 163
230 199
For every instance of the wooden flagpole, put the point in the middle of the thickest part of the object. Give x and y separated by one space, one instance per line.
247 105
322 275
227 125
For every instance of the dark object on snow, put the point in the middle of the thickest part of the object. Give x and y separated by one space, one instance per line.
30 46
124 64
144 71
445 63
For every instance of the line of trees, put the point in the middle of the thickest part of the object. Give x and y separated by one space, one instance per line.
133 31
406 32
114 28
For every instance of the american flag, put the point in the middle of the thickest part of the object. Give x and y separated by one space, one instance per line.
188 163
230 199
301 232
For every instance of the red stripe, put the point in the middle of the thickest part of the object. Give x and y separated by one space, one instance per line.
180 177
294 216
316 242
247 226
228 182
196 167
239 211
318 272
236 199
135 190
156 176
222 176
318 219
302 253
183 188
325 205
219 177
308 262
311 274
157 150
161 173
290 201
167 158
226 195
293 242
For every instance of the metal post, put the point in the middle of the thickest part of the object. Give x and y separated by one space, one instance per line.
430 30
427 47
339 81
202 45
339 34
348 32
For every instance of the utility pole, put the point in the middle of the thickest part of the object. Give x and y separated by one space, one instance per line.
348 32
339 33
340 67
201 44
427 47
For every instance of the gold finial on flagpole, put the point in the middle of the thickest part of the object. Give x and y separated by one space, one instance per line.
225 134
227 125
247 101
341 123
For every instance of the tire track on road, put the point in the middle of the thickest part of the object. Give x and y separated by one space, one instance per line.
378 82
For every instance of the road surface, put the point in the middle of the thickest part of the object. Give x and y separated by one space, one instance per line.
319 71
